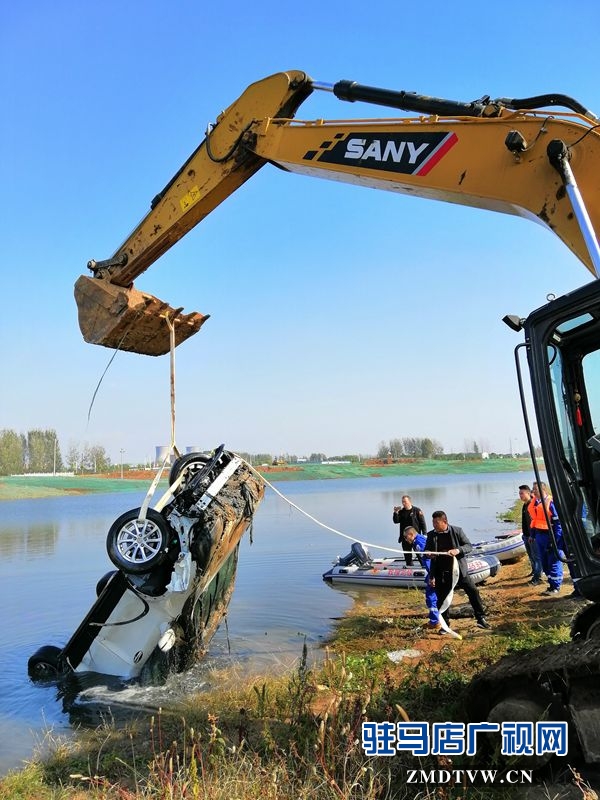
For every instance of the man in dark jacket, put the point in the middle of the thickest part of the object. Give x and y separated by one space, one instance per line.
451 539
408 516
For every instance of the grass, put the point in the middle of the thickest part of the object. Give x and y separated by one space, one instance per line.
293 739
24 487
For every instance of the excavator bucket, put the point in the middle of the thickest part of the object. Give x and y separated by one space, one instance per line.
127 319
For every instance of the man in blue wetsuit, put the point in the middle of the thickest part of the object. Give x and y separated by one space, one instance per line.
417 543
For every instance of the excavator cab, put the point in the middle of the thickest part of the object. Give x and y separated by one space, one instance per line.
563 350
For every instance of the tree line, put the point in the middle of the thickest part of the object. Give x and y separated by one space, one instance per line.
39 451
411 447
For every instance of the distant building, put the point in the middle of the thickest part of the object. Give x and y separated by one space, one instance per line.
162 452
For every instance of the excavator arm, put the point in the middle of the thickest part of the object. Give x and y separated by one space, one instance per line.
502 155
111 311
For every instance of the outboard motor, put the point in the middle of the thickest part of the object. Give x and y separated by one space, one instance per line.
357 555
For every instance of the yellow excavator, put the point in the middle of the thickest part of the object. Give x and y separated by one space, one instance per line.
536 157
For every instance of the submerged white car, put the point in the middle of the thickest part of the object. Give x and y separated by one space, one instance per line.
176 566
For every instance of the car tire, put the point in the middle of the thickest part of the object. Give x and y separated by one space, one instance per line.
136 547
193 461
45 663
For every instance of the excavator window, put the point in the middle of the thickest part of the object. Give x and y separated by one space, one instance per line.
564 410
564 354
591 373
575 383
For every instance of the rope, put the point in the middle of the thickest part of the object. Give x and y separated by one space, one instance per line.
313 519
328 527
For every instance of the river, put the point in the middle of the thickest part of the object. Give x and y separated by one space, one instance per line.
52 552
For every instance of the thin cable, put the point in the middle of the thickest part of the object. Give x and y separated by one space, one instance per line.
582 137
143 613
232 149
112 358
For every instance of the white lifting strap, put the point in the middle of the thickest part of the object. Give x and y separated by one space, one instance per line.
172 447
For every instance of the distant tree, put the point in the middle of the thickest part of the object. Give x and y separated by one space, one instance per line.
426 448
12 453
410 446
475 447
316 458
431 448
382 449
102 462
94 459
43 452
73 457
396 448
262 458
438 448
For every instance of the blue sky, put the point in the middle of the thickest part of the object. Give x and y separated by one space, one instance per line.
340 316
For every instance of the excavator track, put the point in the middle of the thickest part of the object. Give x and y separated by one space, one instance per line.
562 679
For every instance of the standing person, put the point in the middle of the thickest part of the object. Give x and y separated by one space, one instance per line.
542 510
529 537
451 539
417 541
408 515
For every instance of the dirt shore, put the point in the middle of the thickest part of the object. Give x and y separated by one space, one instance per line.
398 619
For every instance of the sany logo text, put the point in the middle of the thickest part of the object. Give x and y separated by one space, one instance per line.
384 150
403 152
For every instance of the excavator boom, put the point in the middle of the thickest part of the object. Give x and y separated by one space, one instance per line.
487 154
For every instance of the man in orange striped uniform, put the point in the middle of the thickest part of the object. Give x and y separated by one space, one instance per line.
543 512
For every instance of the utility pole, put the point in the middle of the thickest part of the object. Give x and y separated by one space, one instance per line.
122 451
